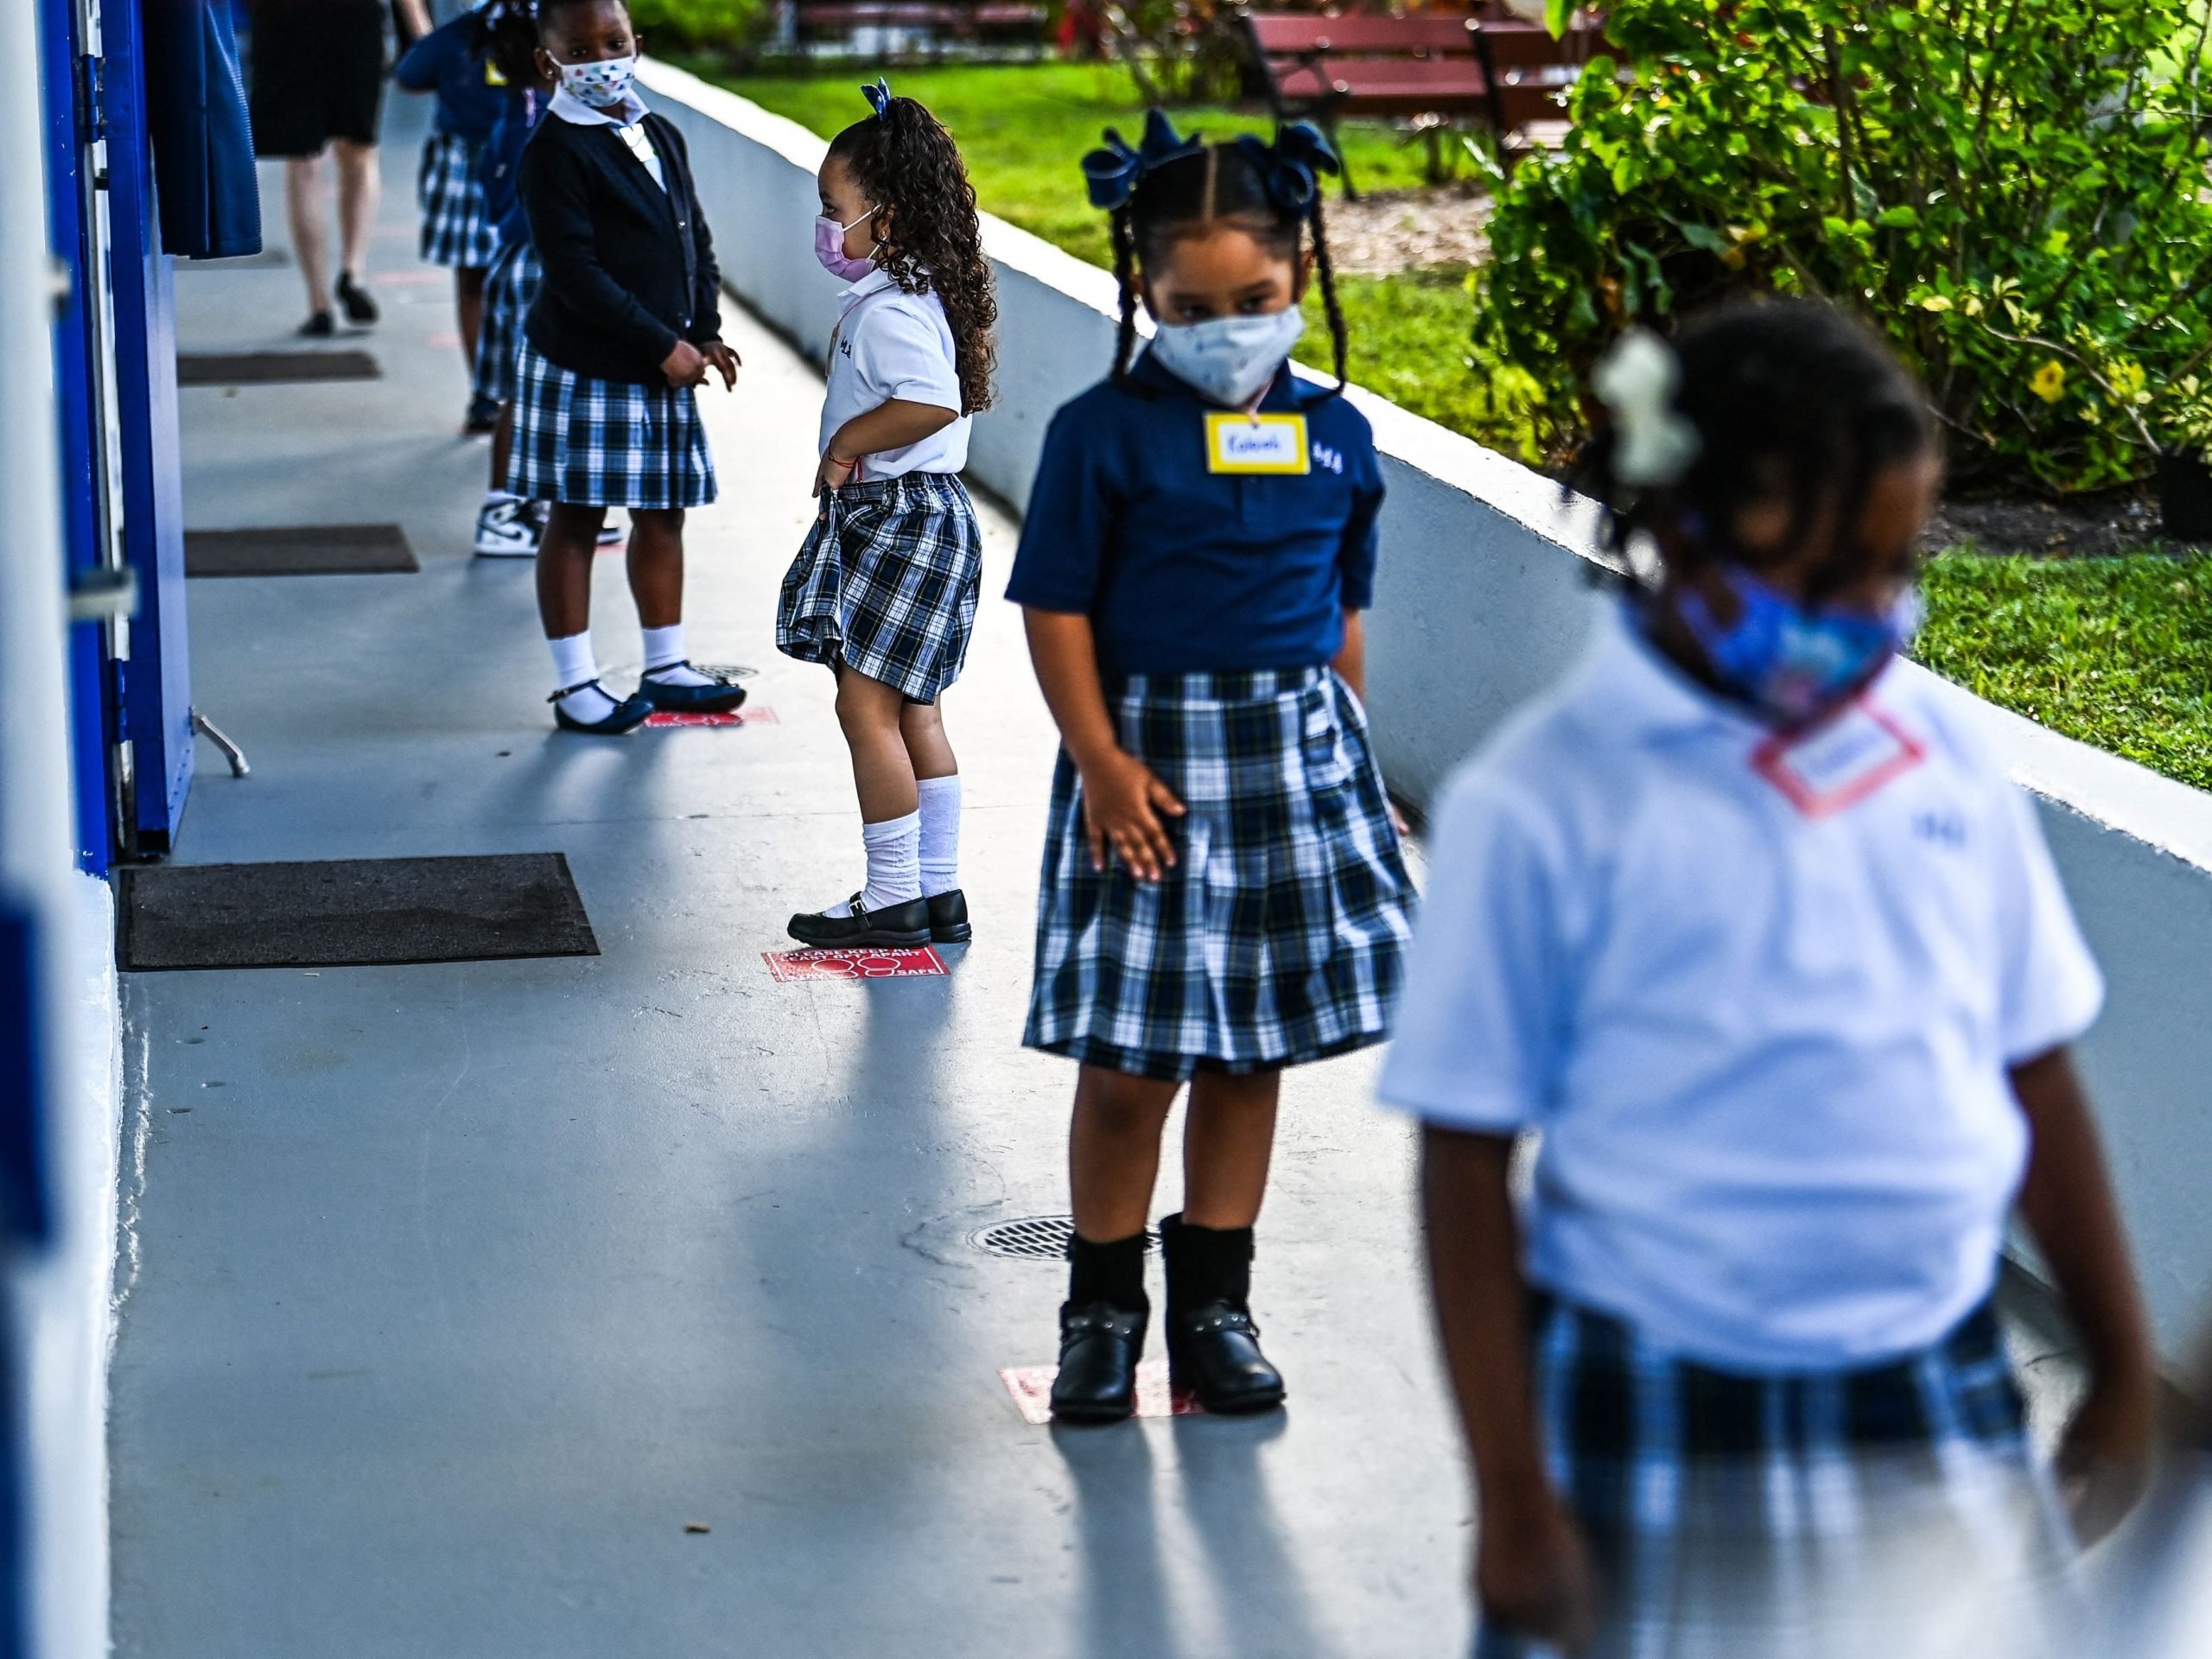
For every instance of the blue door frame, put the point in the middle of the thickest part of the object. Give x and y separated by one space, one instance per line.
128 800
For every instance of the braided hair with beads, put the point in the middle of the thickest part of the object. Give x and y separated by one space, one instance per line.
1170 187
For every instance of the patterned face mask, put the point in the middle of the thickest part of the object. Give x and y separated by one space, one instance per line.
601 85
1791 662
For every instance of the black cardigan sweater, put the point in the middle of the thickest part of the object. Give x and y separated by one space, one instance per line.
629 267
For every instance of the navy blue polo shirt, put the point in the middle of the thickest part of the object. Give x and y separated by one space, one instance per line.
450 61
1182 570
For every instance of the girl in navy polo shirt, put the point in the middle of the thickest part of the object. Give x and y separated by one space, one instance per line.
454 60
1223 894
1747 920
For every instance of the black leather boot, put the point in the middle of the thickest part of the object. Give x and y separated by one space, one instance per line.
1101 1331
1213 1347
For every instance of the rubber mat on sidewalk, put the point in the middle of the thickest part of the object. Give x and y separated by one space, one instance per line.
299 550
272 368
351 912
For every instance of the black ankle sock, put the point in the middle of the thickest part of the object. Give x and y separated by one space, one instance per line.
1112 1272
1206 1264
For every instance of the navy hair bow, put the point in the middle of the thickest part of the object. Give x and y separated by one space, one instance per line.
1287 166
878 98
1114 172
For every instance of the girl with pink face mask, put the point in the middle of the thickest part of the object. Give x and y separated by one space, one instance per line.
884 590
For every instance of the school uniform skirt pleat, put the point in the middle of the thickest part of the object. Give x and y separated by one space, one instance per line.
1278 937
508 290
606 444
450 188
887 581
1890 1511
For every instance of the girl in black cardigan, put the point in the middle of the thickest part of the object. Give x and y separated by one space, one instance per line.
627 323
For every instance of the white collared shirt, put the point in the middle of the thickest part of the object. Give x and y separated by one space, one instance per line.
1760 1002
893 343
625 118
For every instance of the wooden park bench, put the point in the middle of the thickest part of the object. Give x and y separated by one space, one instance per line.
1432 72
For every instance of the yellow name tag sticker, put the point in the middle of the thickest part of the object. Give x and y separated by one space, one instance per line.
1257 443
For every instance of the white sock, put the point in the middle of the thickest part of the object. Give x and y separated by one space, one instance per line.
940 814
574 664
664 655
894 864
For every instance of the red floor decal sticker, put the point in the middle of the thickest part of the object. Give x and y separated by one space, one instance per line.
1032 1389
736 717
788 965
444 342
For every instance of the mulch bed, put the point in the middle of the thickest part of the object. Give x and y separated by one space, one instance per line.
2096 525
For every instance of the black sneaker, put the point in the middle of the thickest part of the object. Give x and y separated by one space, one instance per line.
360 310
901 926
949 918
482 419
320 326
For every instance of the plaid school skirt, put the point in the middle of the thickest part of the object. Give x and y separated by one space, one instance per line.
451 193
1278 937
507 294
606 444
886 583
1893 1511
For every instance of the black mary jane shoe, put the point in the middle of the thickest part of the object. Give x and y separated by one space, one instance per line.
719 698
949 918
900 926
1100 1346
321 325
629 713
1213 1354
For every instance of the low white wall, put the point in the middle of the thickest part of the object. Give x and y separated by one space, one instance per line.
1484 595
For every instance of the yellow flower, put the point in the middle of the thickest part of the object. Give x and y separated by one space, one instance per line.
2049 382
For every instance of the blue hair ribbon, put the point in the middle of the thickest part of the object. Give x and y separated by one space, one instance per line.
1112 173
878 98
1288 165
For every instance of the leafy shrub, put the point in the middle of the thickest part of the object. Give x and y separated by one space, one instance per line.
731 29
2013 190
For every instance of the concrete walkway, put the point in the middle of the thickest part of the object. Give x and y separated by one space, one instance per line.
455 1294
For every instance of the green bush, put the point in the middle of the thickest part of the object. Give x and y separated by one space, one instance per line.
2013 190
730 29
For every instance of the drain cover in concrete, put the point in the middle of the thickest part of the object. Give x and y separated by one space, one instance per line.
352 912
298 550
269 368
1034 1238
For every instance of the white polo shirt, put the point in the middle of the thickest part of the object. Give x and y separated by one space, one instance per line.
625 118
1761 1004
893 343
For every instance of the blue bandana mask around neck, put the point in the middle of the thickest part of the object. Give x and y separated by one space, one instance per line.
1230 359
1793 664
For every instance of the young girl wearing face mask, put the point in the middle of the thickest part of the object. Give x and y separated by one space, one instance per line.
625 324
884 589
1747 921
1223 894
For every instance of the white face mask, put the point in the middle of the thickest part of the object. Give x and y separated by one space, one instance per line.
601 85
1230 359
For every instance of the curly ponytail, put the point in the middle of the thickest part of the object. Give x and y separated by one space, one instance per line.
908 166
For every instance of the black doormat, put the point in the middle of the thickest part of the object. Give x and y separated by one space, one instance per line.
351 912
271 368
298 550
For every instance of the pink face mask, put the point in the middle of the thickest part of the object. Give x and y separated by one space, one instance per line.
830 249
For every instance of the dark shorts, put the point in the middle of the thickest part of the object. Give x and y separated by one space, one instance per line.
318 75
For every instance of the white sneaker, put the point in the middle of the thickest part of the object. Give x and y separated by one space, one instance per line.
505 530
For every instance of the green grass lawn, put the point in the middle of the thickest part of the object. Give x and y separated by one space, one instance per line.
2116 652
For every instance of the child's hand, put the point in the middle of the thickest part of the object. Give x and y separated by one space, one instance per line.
1122 803
1533 1575
725 362
832 473
685 366
2104 1459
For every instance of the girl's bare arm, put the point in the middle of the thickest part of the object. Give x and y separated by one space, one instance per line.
1123 801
